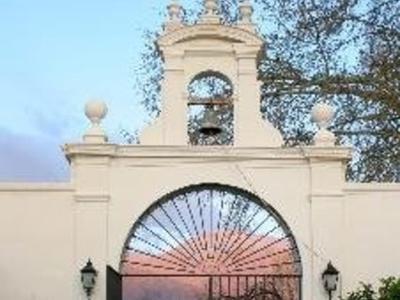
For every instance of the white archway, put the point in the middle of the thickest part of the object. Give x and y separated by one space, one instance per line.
211 240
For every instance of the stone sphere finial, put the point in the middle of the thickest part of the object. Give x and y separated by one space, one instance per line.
95 111
323 115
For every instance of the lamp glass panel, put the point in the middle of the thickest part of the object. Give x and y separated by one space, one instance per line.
88 280
331 282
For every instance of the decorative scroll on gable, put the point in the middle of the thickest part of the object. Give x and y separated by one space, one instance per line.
215 31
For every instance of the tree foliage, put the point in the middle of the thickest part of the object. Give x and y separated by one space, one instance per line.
346 52
389 289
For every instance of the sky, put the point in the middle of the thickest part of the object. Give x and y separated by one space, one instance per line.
54 56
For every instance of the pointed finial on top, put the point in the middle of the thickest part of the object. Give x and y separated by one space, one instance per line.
175 16
245 14
211 12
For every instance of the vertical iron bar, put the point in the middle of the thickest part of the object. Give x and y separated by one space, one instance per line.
237 286
210 288
256 284
264 286
211 220
229 286
220 287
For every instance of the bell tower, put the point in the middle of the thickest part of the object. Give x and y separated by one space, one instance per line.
204 48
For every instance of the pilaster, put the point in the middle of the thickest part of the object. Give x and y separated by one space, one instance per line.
92 196
326 200
250 128
91 181
174 110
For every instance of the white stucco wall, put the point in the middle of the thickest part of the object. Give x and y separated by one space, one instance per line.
49 231
372 227
36 241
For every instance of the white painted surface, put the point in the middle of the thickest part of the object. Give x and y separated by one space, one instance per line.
37 242
48 231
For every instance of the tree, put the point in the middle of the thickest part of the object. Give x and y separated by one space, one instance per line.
343 51
389 289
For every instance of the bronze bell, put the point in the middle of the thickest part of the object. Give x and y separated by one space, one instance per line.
210 126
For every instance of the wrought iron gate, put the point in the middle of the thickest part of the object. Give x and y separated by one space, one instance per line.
114 284
224 287
211 242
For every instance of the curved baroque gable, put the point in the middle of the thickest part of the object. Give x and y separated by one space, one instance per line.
222 32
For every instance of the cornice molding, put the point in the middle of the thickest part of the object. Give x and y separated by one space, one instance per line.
92 150
327 153
205 153
356 188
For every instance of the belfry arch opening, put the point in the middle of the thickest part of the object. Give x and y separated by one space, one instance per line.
210 93
211 242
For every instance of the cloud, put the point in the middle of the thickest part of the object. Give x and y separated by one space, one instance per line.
33 158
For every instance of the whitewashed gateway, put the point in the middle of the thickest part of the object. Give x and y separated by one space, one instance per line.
181 216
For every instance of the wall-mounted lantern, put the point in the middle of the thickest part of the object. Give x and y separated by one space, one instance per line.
330 278
88 278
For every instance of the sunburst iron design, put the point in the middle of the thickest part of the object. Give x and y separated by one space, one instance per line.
211 230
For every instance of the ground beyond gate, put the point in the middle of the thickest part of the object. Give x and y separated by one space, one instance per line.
217 287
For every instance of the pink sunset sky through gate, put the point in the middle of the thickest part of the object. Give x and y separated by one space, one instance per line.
210 243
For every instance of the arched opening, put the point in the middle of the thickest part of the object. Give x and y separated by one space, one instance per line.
210 92
211 242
